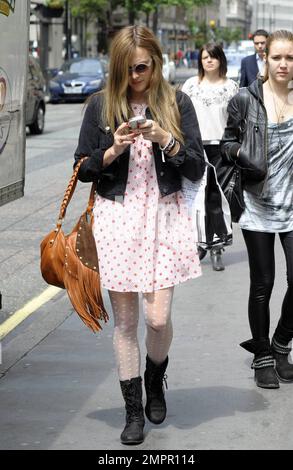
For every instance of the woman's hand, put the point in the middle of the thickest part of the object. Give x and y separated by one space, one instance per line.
123 137
153 132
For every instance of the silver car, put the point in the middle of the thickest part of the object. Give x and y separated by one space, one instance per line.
35 102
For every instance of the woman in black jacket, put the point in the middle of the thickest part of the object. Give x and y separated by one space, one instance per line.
265 137
144 236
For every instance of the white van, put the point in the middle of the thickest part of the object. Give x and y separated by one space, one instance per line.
14 39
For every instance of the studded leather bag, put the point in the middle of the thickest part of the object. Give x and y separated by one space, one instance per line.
71 261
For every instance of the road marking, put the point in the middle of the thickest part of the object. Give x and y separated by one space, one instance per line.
20 315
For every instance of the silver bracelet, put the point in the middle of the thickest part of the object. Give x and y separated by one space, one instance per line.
170 141
171 146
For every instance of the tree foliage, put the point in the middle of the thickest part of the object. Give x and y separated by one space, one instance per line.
94 8
228 35
202 33
151 6
102 9
88 8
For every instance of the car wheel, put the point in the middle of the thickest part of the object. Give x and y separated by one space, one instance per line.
38 125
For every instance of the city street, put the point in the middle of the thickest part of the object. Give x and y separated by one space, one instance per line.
58 382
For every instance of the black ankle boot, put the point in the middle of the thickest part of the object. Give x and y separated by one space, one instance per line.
281 353
216 259
154 375
132 394
263 364
264 372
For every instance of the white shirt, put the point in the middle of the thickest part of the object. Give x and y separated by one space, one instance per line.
210 103
260 63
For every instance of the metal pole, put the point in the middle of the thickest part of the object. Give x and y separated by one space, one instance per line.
67 31
44 41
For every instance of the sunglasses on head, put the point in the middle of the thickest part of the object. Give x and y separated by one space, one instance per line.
140 68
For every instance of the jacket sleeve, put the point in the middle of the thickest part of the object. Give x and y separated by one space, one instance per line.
89 144
230 143
243 78
190 157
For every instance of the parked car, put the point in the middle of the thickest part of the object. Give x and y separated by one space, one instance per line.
169 69
35 102
77 79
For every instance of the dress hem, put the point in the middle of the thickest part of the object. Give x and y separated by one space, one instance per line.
150 291
263 230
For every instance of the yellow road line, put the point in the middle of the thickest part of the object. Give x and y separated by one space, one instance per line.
29 308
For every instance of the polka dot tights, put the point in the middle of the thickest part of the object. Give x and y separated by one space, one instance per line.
159 331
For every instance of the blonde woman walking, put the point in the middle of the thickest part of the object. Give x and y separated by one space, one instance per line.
144 237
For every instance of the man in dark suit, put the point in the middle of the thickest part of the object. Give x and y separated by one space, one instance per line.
252 65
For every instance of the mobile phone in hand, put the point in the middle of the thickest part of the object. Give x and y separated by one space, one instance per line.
135 121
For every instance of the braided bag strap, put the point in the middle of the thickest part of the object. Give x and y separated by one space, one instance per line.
69 193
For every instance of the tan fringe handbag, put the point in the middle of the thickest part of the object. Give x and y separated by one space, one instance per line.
71 261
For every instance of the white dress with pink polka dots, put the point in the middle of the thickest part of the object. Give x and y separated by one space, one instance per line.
146 242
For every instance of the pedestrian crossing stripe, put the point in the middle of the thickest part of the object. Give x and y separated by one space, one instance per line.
20 315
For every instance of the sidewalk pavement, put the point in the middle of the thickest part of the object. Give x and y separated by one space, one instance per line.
64 392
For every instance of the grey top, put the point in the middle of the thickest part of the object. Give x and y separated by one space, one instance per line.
272 211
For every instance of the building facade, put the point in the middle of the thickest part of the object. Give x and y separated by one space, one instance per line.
237 14
176 28
46 36
208 13
272 14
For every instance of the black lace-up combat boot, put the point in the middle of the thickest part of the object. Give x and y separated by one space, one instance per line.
132 394
154 375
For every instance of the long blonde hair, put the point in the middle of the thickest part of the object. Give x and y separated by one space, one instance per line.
161 96
280 35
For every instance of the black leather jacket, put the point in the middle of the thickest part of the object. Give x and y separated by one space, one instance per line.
95 138
252 141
